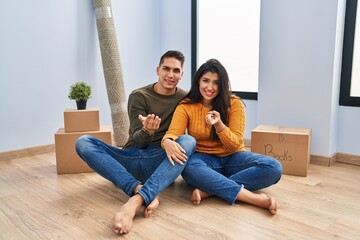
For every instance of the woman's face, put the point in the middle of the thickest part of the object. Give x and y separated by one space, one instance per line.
209 87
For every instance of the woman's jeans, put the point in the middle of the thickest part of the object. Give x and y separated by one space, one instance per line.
127 168
226 176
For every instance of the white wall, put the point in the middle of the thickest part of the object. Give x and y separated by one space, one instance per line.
175 32
43 52
349 130
46 46
299 68
38 61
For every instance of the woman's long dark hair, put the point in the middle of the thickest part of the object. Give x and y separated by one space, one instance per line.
221 102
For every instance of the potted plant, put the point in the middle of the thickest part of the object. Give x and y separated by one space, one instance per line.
80 92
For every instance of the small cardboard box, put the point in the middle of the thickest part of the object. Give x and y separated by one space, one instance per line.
67 159
81 120
289 145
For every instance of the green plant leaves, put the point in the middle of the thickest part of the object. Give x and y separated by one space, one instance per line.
80 91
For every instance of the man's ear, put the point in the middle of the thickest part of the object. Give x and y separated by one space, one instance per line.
157 70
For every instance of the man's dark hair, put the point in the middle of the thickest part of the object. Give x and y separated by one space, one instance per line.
173 54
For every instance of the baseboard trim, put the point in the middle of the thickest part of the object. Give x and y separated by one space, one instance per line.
348 158
26 152
324 161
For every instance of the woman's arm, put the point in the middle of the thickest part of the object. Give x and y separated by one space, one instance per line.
232 135
177 128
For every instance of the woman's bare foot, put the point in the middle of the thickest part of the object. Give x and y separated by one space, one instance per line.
267 202
123 219
151 207
260 200
197 195
272 205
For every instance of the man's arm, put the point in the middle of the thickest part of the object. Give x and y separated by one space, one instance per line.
136 107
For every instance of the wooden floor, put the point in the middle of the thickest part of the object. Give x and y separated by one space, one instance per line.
36 203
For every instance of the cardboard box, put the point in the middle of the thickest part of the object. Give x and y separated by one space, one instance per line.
81 120
67 160
291 146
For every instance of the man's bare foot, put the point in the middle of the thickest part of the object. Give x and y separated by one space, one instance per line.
137 188
123 219
197 195
151 207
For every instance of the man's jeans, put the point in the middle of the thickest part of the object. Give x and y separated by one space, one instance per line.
127 168
226 176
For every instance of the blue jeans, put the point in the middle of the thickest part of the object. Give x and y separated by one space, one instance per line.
226 176
127 168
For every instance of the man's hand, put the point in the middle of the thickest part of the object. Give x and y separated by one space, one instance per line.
150 122
174 152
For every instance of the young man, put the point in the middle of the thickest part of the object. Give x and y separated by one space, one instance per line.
142 169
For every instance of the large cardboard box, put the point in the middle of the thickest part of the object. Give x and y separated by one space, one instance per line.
67 160
81 120
290 145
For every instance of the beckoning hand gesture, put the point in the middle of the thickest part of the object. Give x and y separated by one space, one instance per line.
213 118
150 122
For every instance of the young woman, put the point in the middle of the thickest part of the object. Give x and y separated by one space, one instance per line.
220 166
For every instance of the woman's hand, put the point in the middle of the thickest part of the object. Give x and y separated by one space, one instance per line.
174 152
213 118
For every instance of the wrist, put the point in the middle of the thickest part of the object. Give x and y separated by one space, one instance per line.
164 140
220 127
146 131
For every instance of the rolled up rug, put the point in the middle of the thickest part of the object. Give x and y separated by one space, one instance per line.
112 70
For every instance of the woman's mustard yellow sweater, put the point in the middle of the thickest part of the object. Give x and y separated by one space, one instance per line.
192 118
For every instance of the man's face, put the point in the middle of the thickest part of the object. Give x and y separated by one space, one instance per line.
170 73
